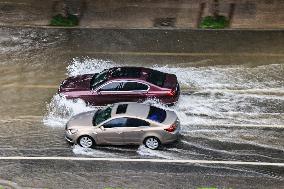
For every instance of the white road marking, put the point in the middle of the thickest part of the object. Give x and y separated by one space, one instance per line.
145 160
240 125
190 54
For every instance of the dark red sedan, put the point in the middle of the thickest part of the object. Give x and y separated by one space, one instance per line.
122 84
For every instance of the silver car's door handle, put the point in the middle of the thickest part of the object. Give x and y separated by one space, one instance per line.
143 128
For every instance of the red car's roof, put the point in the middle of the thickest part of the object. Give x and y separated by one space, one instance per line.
155 77
129 73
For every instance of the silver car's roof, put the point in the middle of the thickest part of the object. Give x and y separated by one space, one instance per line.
133 109
141 111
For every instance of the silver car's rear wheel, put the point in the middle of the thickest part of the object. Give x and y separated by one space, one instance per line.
152 143
86 142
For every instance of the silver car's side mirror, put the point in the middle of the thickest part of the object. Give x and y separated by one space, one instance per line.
102 128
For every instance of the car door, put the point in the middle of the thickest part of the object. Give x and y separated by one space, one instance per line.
133 91
135 129
90 97
109 93
112 131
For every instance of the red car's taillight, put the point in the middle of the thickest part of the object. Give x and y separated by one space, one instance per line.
172 92
172 128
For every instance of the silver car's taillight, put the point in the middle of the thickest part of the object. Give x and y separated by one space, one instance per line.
172 128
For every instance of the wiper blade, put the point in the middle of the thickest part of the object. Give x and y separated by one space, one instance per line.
92 84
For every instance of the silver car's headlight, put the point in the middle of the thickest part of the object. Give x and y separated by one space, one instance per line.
72 131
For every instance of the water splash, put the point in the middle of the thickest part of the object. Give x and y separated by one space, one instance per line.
60 110
228 77
88 66
143 151
210 77
78 150
215 102
205 106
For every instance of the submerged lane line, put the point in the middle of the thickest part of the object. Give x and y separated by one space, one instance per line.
30 86
240 125
133 53
145 160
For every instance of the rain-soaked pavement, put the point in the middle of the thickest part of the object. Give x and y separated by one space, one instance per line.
231 107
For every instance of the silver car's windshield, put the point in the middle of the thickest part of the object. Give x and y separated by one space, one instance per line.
102 115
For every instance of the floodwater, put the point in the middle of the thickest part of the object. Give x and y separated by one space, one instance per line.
230 108
215 116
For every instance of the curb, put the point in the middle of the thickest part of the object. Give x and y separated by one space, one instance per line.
158 28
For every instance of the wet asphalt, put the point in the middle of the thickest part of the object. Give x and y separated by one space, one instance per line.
88 174
232 106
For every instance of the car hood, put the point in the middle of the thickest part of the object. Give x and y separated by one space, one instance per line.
76 83
83 119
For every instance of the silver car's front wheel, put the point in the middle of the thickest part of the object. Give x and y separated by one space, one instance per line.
152 143
86 142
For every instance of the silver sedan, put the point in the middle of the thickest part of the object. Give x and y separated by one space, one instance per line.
124 123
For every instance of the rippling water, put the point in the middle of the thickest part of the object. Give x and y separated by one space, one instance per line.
217 104
222 96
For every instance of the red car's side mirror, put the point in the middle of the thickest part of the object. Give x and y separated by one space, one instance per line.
98 91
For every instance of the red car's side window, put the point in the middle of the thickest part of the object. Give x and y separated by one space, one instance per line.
134 86
125 86
114 86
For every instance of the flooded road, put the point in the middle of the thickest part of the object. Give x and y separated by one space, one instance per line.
231 107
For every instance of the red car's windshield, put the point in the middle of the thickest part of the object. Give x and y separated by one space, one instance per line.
98 79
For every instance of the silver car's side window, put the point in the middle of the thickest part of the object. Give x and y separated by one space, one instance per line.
134 122
117 122
126 122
